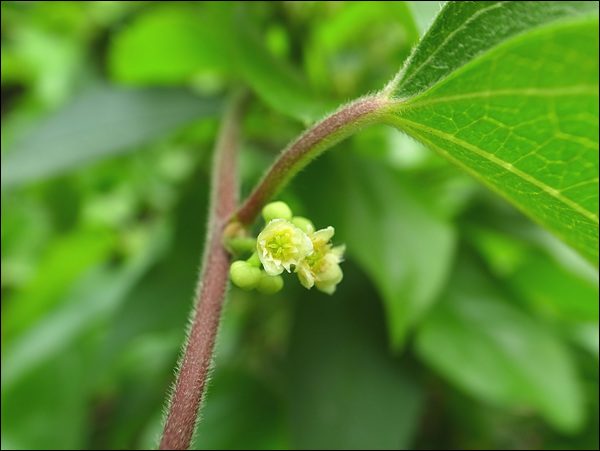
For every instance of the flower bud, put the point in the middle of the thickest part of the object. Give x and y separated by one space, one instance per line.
244 275
269 284
276 210
254 260
303 224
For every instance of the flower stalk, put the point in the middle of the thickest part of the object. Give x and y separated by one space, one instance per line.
341 124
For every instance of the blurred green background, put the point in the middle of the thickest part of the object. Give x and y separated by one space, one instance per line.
460 324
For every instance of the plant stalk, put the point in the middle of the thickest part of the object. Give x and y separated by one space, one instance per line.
194 366
346 121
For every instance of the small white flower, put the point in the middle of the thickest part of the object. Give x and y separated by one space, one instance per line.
280 245
321 268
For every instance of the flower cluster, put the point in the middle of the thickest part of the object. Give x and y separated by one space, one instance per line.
290 243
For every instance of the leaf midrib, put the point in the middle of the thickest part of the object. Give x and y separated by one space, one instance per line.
487 94
505 165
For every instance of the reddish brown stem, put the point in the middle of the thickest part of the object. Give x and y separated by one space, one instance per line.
189 389
297 155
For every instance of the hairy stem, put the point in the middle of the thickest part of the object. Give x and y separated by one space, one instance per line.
210 292
346 121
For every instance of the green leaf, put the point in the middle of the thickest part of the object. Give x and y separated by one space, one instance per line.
587 335
424 13
273 79
388 230
523 118
549 287
64 262
95 296
356 45
403 246
545 281
47 409
170 45
480 342
99 124
346 391
465 30
238 401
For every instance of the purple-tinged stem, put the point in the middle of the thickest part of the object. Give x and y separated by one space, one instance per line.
297 155
191 381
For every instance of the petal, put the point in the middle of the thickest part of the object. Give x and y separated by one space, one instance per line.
304 275
299 246
272 268
304 245
328 288
323 235
338 251
332 273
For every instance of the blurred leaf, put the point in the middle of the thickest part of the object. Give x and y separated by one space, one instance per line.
480 342
546 283
63 263
526 128
91 300
171 44
100 124
272 79
404 248
346 391
48 372
465 30
152 317
237 401
47 409
132 389
587 335
551 288
25 231
356 45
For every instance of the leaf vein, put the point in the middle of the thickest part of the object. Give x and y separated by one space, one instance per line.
528 92
508 167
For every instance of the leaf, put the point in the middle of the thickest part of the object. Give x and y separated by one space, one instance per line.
465 30
99 124
389 232
346 391
273 79
405 248
556 290
170 45
62 264
47 409
424 13
523 118
238 401
353 46
95 296
545 281
587 335
476 339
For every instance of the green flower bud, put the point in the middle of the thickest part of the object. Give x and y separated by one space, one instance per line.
244 275
254 260
276 210
269 284
303 224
